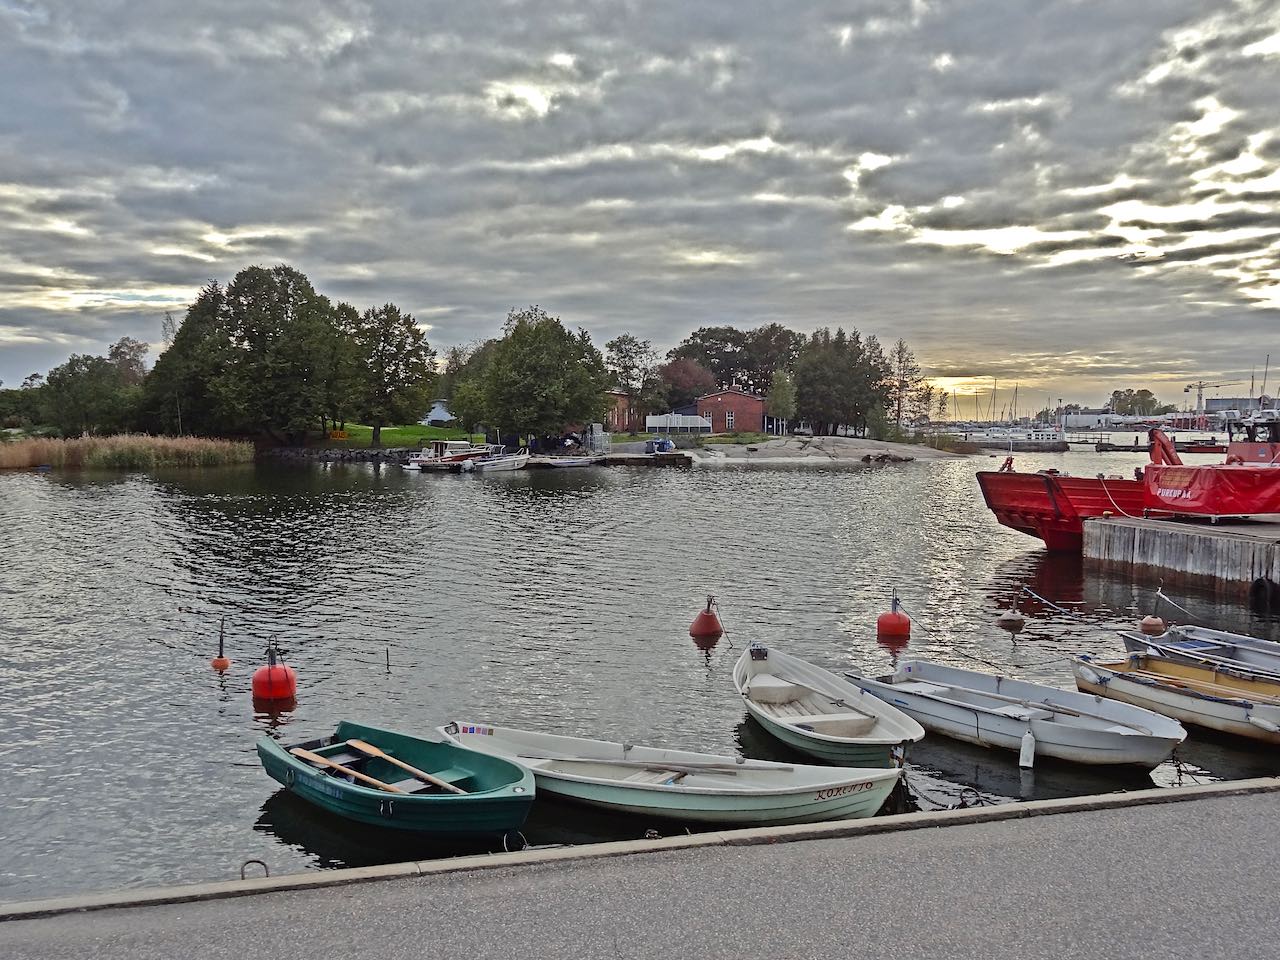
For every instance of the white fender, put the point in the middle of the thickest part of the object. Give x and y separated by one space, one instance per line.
1263 724
1027 755
1089 676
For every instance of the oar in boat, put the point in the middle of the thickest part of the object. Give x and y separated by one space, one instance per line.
1059 708
334 765
371 750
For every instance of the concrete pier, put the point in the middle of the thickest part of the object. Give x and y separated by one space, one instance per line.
1226 557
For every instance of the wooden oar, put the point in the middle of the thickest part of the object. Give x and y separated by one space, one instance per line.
334 765
1059 708
371 750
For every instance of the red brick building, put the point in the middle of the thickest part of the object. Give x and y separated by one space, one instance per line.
622 417
733 410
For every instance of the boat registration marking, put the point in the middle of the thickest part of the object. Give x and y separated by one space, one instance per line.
474 728
842 791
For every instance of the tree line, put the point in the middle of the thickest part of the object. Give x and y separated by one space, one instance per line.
268 355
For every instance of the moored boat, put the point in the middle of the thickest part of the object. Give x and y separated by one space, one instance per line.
995 711
563 462
820 714
680 784
1188 644
449 455
1192 693
499 462
390 779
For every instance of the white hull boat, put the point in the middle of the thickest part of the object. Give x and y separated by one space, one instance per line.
818 713
1215 648
563 462
994 711
681 785
1195 694
498 464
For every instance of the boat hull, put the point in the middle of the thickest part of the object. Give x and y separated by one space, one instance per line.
633 779
1053 507
1238 717
498 799
1119 737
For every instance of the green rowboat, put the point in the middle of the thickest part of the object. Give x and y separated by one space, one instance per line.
452 791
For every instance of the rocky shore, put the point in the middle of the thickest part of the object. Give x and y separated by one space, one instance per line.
816 450
397 455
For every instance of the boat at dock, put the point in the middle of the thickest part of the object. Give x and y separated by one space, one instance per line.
498 463
390 779
1017 440
1053 506
1188 644
996 711
679 784
819 713
1196 694
449 455
563 462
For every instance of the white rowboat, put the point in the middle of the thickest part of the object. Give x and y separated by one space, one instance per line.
818 713
994 711
681 785
509 461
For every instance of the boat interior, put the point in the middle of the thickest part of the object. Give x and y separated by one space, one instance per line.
1009 707
799 706
339 751
656 773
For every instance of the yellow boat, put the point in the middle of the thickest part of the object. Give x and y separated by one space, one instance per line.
1208 696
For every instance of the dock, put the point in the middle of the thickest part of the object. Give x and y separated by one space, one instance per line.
677 458
1226 557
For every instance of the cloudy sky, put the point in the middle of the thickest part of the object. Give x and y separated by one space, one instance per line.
1075 196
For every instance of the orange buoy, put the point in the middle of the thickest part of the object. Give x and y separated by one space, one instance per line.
707 623
1151 625
275 681
893 623
221 662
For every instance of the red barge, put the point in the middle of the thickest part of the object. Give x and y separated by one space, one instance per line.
1053 506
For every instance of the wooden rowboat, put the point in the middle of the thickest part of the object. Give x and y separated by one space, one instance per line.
820 714
995 711
1205 696
389 779
682 785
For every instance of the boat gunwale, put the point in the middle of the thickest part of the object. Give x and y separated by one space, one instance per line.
1173 686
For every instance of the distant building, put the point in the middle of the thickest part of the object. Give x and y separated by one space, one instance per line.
732 410
438 415
1243 404
622 416
1088 419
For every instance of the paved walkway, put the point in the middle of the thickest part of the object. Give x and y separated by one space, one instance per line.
1193 879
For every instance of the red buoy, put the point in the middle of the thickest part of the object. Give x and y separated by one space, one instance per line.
707 623
275 681
221 662
893 623
1151 625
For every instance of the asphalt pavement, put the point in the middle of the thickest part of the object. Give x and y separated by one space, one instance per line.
1191 879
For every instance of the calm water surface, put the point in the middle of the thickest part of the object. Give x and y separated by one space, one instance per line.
559 600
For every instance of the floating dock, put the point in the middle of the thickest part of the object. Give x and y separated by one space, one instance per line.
674 459
1226 557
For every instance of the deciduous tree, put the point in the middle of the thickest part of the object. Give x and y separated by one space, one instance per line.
394 368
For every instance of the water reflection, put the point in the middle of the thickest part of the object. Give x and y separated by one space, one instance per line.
555 599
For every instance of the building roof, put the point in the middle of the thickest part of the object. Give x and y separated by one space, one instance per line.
738 390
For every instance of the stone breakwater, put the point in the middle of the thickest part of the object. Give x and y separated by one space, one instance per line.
398 455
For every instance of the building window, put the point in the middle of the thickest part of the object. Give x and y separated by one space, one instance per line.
728 420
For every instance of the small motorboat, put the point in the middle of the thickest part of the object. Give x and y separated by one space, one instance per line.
498 463
681 785
820 714
1193 693
994 711
449 455
591 460
394 780
1210 647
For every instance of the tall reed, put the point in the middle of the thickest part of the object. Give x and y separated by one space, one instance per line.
128 451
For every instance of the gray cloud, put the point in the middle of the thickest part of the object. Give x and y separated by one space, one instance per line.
1018 190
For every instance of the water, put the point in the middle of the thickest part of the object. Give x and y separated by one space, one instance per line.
552 599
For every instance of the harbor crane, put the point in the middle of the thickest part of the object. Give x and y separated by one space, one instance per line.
1199 386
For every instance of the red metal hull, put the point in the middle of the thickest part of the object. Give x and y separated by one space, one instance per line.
1053 507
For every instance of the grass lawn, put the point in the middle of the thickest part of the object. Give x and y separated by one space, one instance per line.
631 437
407 435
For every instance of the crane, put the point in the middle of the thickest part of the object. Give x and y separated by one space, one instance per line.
1199 386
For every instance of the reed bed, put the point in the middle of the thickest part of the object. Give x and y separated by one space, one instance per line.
129 451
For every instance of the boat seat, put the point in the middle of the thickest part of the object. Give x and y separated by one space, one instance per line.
766 688
651 776
410 785
1019 712
348 758
849 724
920 686
451 775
